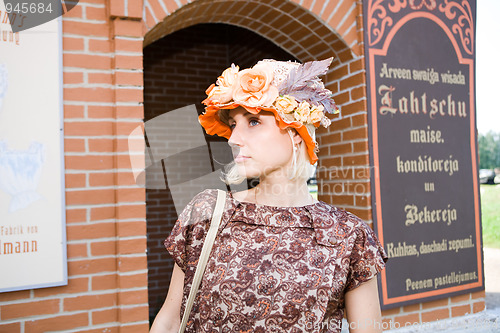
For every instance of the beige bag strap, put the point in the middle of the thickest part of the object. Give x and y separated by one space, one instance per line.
205 253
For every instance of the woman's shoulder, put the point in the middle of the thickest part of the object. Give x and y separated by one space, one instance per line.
205 198
209 194
327 215
333 224
200 206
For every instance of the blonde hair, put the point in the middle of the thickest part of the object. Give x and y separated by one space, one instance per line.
301 168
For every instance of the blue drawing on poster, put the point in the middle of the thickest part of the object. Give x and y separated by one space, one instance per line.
20 173
4 84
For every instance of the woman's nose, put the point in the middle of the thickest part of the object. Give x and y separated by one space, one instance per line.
235 139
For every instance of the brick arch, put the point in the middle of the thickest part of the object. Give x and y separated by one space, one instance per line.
308 32
327 29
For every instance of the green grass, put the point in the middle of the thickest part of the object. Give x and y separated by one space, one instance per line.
313 190
490 210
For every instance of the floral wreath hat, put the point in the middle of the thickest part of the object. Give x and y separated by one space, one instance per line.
290 90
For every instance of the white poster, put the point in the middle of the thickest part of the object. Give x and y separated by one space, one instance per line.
32 207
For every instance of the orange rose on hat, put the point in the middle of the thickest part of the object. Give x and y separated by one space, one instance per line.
302 112
286 104
253 87
223 92
316 114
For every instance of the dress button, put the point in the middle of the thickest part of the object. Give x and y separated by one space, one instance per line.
332 240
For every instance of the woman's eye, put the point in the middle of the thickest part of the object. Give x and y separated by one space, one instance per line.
251 122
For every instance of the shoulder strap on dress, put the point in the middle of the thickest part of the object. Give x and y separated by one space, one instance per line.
205 253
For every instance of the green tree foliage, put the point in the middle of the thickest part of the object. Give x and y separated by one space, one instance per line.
489 150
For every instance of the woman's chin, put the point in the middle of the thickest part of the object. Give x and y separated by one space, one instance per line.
248 171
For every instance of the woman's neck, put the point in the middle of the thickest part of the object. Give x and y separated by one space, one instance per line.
285 194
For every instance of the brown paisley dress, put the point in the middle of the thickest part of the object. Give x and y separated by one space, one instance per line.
273 269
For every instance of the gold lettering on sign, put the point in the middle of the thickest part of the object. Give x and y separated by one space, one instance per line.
433 247
428 75
417 285
451 78
386 100
447 279
454 278
427 164
420 105
401 250
395 73
425 136
459 244
414 215
18 247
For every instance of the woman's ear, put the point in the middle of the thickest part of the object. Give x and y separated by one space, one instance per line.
296 137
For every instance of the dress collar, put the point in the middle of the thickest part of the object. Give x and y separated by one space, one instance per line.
276 216
328 221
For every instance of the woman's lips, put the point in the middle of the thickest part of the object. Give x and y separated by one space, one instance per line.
241 158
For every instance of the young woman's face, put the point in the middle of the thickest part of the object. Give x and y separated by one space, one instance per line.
259 145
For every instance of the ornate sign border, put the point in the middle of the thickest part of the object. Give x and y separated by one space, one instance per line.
382 20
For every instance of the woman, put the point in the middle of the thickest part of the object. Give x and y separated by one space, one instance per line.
281 261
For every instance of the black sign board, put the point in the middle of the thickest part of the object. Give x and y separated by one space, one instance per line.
420 58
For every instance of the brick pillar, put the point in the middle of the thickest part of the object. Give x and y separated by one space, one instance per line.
130 211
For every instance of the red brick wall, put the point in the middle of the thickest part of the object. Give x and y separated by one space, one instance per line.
105 211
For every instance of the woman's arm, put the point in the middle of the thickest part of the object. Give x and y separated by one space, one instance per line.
168 318
363 308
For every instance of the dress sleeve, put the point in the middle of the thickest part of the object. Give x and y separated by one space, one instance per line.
186 237
367 257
